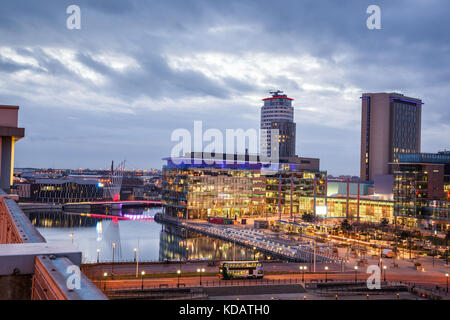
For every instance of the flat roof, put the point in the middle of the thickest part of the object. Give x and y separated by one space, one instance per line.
9 107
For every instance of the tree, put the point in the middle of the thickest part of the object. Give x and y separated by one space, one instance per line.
447 239
404 234
346 226
308 217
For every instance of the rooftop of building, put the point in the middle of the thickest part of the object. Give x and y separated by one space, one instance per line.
426 158
63 181
395 96
278 94
241 161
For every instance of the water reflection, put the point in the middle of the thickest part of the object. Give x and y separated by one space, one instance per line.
179 244
100 237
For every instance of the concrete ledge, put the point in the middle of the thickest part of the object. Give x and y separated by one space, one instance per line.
12 132
20 258
50 282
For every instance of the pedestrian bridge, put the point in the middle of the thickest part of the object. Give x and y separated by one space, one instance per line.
113 205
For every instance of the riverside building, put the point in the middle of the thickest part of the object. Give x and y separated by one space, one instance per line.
236 189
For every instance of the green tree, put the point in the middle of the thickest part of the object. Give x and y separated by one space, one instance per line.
447 239
308 217
404 235
346 226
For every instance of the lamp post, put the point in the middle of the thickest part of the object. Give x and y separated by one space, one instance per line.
254 253
303 268
72 236
200 271
135 254
143 274
384 268
326 273
98 255
446 275
104 284
179 275
112 265
356 273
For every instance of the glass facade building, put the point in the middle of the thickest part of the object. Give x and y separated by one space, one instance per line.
236 190
421 182
244 190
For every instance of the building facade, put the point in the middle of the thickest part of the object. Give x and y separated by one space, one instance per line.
390 125
61 191
9 134
277 113
239 189
421 190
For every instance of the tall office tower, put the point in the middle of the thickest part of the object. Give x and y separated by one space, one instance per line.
390 125
278 113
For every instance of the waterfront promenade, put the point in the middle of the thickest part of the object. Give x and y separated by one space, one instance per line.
258 240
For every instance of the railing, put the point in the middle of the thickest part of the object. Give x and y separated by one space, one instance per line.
239 237
39 276
15 227
106 288
427 288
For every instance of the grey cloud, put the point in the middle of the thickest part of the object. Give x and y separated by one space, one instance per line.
410 54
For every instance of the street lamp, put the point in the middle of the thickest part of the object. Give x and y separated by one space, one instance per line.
200 271
356 273
135 254
143 274
112 265
384 268
98 255
105 275
179 275
71 235
304 268
326 273
446 275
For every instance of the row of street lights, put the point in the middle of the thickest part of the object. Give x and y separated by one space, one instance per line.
304 268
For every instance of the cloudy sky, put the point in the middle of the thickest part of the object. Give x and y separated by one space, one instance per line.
137 70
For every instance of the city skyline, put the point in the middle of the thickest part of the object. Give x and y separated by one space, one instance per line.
135 72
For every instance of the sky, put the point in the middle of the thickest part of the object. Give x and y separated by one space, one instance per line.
138 70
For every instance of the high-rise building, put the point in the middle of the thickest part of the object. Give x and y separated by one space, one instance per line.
9 134
390 125
278 113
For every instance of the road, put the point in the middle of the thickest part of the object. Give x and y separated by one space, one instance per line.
427 281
